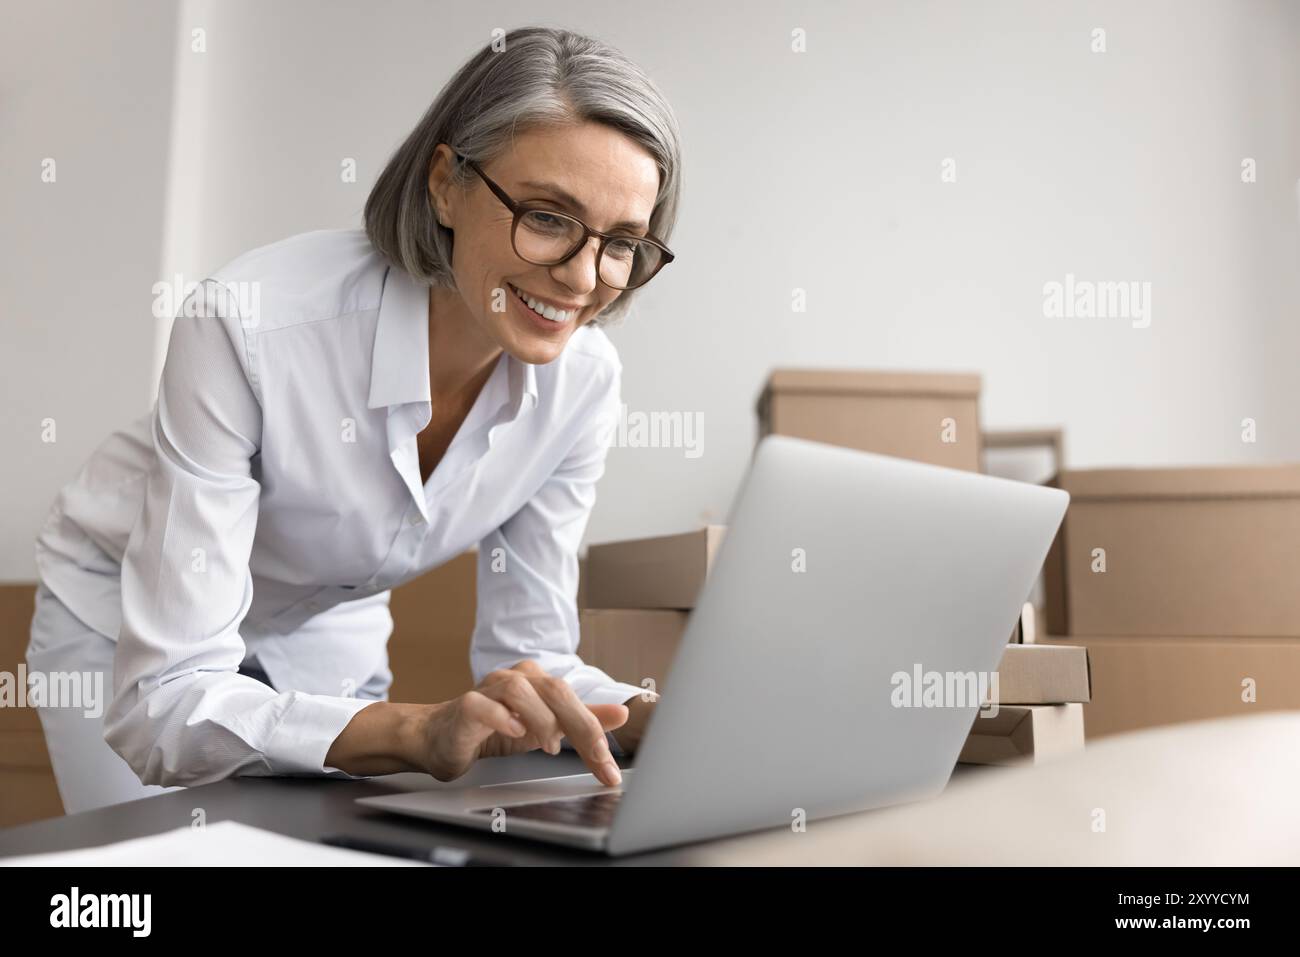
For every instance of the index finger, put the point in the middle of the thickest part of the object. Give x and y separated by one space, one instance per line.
580 726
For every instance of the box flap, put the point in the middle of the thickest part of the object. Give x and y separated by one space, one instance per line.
1005 738
1231 481
872 382
1004 723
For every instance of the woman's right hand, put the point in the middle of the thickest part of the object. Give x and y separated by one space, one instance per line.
515 710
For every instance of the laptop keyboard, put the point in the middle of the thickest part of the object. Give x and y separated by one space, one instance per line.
589 810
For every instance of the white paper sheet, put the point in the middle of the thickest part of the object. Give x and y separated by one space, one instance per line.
223 844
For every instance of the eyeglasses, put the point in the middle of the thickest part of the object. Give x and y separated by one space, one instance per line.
546 237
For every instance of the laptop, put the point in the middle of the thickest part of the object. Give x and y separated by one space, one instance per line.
843 576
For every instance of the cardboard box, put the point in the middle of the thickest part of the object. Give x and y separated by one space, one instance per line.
1024 734
28 794
24 750
433 622
1146 682
663 572
927 416
583 581
1210 552
28 791
632 645
17 605
1044 674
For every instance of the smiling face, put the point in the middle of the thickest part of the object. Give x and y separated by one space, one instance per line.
615 180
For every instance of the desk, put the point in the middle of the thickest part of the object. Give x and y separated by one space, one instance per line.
311 808
1210 793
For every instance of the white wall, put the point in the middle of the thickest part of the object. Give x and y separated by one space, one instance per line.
819 171
87 84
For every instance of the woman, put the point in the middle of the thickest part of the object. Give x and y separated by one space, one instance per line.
344 410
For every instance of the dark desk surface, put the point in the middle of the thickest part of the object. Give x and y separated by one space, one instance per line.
311 808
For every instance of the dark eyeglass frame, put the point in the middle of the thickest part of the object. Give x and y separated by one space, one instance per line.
519 210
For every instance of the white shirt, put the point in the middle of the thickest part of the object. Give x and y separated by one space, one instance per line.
277 477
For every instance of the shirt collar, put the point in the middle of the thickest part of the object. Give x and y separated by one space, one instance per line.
399 368
399 365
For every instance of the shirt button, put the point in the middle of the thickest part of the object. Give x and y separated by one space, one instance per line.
416 519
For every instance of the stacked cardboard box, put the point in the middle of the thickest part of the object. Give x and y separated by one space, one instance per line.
27 788
1179 583
1041 694
663 572
636 600
927 416
1182 584
433 622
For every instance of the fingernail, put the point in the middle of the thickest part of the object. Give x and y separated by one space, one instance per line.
612 772
518 728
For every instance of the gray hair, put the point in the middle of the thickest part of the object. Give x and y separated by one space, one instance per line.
544 76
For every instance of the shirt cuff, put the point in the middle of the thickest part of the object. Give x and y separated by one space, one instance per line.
616 693
311 723
593 686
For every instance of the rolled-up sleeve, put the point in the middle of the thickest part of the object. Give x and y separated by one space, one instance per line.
528 570
181 714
